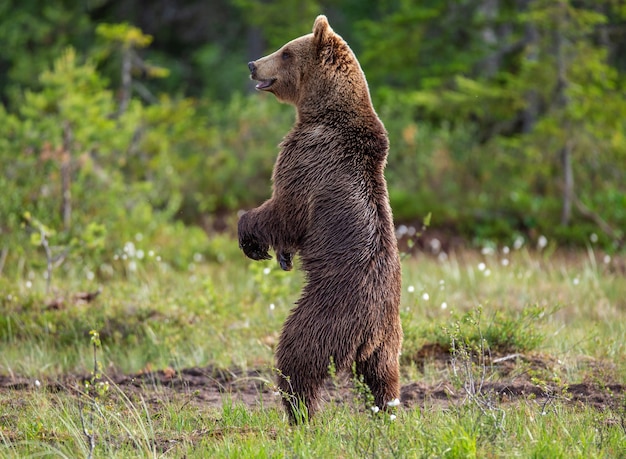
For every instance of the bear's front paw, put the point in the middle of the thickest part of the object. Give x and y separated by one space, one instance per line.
253 249
285 259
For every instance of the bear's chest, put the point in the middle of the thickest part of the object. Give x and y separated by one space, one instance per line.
309 160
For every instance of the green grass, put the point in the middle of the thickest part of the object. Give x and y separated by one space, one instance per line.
49 425
571 303
569 309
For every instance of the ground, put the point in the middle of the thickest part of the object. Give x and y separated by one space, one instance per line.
208 386
189 369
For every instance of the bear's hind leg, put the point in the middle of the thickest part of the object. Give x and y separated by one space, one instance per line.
300 401
381 373
301 373
299 387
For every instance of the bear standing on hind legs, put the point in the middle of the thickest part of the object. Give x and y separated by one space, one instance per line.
330 205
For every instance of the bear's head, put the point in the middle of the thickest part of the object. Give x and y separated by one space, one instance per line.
312 69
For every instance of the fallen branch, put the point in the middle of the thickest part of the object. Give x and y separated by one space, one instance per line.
507 357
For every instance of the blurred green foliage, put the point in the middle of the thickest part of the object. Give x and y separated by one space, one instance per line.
118 119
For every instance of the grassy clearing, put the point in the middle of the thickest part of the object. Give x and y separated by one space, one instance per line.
49 424
564 305
566 310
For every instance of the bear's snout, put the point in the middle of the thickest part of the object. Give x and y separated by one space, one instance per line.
265 83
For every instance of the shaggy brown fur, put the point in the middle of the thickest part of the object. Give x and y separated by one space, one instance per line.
330 205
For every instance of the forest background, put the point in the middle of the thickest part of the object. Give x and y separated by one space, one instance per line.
136 120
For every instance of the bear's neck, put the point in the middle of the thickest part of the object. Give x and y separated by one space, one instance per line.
315 109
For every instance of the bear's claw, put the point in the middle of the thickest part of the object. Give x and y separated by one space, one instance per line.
285 259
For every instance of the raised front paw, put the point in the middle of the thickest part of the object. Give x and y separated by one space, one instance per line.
249 242
254 249
285 259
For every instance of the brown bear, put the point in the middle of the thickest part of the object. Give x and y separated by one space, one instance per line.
330 205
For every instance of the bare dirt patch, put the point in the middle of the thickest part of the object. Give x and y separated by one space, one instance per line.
511 380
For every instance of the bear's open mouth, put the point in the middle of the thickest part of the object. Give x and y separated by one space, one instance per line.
265 84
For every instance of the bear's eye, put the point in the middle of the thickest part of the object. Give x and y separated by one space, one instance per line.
286 55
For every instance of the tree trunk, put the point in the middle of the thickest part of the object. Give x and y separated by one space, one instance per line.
255 45
127 79
66 177
3 258
488 9
562 102
531 110
568 184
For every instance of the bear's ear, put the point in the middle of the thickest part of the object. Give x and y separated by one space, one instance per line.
321 31
324 40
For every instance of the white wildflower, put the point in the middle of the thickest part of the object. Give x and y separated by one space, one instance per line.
401 231
394 402
129 249
375 409
410 289
542 242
